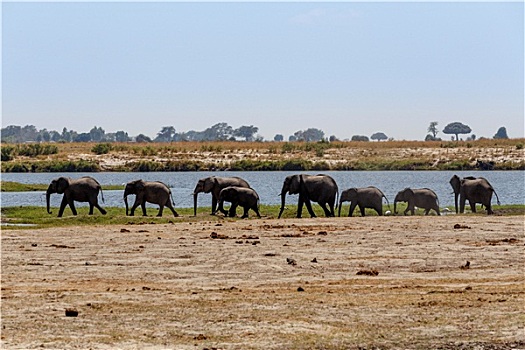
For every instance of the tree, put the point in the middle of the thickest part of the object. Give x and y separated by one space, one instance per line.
97 134
219 131
432 128
121 136
82 137
309 135
333 138
379 136
142 138
360 138
501 133
246 132
457 128
166 134
278 138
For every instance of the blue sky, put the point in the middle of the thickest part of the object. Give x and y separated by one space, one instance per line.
347 68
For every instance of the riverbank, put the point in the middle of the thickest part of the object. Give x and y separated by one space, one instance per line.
450 282
506 154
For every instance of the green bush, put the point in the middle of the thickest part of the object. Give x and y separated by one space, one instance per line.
7 153
101 148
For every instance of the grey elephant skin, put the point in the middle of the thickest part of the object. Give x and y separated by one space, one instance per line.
154 192
247 198
317 188
84 189
421 197
214 185
367 197
475 190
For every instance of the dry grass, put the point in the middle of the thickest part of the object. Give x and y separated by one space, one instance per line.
392 155
173 286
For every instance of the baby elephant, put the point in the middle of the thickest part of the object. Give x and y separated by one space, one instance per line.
245 197
368 197
149 191
423 198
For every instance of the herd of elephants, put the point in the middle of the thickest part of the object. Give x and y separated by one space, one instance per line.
321 189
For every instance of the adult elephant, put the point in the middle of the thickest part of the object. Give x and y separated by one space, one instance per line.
84 189
475 190
154 192
247 198
422 197
214 185
368 197
318 188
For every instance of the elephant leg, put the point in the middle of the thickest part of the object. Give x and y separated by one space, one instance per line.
161 209
472 206
332 209
62 206
256 210
489 209
427 211
352 208
71 203
135 205
300 207
310 209
233 210
221 208
362 210
102 210
462 204
379 210
169 205
327 212
245 214
143 206
214 205
91 208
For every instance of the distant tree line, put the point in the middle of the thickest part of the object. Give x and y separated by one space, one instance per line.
457 128
217 132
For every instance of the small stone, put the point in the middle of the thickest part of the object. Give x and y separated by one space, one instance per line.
71 313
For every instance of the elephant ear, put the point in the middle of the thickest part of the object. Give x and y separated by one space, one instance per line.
140 185
209 184
62 184
455 182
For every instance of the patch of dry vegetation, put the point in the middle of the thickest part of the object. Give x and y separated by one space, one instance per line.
507 154
287 284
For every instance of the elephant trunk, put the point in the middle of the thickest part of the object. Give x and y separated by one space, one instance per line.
395 206
456 195
195 203
126 200
283 201
339 210
48 195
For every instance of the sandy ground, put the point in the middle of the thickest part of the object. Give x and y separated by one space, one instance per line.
343 283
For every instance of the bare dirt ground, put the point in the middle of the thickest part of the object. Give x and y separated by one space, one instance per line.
343 283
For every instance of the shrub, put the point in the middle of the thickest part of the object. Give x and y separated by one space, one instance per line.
101 148
7 153
519 146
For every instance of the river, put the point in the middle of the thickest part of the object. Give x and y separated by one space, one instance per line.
509 185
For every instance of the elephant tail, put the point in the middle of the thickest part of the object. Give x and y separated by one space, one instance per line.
171 196
387 202
497 198
102 195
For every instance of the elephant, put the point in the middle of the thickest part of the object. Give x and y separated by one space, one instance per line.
154 192
245 197
318 188
215 184
368 197
84 189
422 197
475 190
